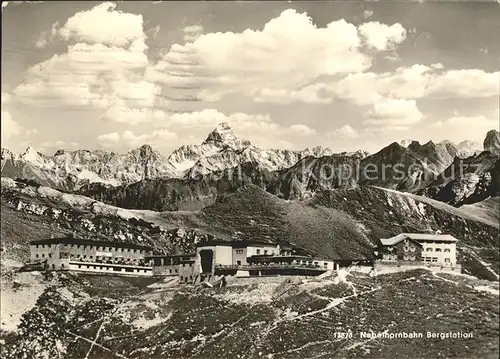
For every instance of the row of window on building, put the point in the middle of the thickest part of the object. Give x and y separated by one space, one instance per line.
412 258
112 269
408 258
257 251
428 249
437 250
434 259
104 249
85 257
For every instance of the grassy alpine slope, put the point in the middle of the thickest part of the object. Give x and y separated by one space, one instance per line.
278 318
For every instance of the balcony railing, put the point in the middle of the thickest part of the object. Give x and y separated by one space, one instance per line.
124 265
270 266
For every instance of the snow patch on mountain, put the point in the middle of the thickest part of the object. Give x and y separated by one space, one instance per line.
34 157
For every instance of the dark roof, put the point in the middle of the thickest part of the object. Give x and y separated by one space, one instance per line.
388 242
91 242
418 237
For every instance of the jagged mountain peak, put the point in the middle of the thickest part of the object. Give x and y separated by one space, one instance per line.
224 136
7 155
463 149
414 145
317 151
29 150
394 146
406 143
145 151
32 155
492 142
6 152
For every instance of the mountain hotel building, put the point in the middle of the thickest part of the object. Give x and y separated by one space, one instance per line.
84 255
433 250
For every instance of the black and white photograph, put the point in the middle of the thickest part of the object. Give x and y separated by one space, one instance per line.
250 179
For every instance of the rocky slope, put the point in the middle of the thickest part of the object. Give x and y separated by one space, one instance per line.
311 174
164 194
489 209
492 142
278 318
406 168
195 192
31 213
467 181
385 213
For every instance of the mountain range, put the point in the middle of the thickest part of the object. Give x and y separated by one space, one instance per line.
431 169
194 175
222 149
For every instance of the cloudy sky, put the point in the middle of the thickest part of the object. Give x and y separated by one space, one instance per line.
347 75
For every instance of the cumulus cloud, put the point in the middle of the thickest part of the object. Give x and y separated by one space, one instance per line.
57 145
133 116
368 13
393 114
382 37
9 128
313 94
129 139
192 32
302 130
193 127
5 98
105 57
288 52
414 82
47 36
417 81
458 128
103 25
345 131
466 83
113 137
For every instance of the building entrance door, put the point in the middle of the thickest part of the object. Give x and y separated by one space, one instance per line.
207 258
